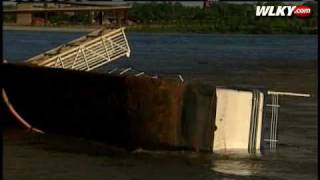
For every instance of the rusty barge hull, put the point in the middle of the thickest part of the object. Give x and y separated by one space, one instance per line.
124 111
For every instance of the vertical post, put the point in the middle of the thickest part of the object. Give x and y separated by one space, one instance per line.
274 122
75 60
105 47
85 58
127 44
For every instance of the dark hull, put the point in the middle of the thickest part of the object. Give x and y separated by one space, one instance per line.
125 111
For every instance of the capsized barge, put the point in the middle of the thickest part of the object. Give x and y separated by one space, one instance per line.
134 111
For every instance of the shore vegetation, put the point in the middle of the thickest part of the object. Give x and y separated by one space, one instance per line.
220 18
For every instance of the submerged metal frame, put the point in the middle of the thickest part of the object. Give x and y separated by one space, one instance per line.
275 106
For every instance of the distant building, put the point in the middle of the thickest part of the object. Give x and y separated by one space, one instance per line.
38 13
33 18
24 18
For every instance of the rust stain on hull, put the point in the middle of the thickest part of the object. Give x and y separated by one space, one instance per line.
154 111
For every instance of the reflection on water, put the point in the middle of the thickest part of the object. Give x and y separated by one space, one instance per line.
238 162
237 167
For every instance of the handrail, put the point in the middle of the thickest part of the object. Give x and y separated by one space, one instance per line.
92 52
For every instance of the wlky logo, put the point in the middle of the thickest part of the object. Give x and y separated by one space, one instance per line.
299 11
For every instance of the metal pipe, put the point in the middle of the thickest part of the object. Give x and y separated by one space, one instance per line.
126 70
23 122
288 94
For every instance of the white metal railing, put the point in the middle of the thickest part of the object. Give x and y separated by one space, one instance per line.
288 94
275 106
90 54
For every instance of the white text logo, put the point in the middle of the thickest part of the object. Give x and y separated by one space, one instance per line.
300 11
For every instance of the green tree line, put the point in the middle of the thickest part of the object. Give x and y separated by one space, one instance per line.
221 17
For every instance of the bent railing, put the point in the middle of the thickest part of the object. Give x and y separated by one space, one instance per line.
87 52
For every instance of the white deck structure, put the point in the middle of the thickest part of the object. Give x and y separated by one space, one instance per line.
239 117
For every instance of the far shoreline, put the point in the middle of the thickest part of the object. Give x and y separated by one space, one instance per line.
50 28
84 28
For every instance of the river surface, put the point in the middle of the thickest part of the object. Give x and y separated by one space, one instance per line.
276 62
